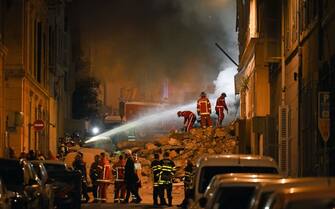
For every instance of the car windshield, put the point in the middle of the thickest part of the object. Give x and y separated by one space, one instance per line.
233 198
208 172
54 167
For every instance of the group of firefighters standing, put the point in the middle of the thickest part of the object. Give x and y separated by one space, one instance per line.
127 181
204 111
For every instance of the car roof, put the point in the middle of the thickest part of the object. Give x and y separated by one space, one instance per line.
242 177
239 179
306 193
236 160
298 182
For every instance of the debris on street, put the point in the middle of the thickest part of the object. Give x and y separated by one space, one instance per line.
182 146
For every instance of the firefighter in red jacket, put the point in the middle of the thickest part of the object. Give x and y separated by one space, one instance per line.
189 119
105 175
119 185
204 110
219 108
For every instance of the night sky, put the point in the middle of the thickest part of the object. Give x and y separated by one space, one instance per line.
144 42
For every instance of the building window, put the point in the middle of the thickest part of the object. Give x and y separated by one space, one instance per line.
65 81
39 52
308 10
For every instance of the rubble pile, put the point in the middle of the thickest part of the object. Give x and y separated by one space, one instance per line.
183 146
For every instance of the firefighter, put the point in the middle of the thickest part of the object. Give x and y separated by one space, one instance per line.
165 180
104 176
188 180
79 165
189 119
94 175
219 108
204 110
119 186
156 169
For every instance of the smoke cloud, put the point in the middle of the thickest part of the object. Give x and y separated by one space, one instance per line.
141 44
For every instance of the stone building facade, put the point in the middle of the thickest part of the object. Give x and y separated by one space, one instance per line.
296 75
34 73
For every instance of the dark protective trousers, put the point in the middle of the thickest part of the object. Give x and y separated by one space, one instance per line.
132 189
168 188
95 190
156 194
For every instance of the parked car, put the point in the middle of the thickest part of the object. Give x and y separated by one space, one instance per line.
47 186
4 196
233 191
210 165
21 179
302 198
66 184
264 192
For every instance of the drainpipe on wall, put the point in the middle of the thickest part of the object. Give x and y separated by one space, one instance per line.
300 145
283 74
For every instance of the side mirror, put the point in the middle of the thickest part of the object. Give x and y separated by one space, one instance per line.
202 202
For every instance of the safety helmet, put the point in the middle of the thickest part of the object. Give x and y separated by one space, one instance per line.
203 94
224 94
179 113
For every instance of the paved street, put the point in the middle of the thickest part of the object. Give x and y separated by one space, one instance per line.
123 206
146 194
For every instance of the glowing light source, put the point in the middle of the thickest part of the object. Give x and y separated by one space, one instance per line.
95 130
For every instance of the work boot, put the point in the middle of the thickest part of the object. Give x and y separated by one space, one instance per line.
169 202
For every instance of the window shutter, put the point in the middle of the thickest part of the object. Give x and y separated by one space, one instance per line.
283 140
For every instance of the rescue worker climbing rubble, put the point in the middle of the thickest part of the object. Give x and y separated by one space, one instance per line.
166 176
189 119
219 109
204 110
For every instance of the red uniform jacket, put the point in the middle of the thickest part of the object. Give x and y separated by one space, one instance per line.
106 169
188 115
118 170
204 106
220 104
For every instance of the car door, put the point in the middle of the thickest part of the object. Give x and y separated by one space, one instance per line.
4 198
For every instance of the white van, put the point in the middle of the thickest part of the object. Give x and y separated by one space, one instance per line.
211 165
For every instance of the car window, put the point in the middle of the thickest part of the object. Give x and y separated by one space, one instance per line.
208 172
54 167
312 204
233 198
263 199
38 170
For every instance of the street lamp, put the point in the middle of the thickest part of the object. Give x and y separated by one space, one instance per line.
95 130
